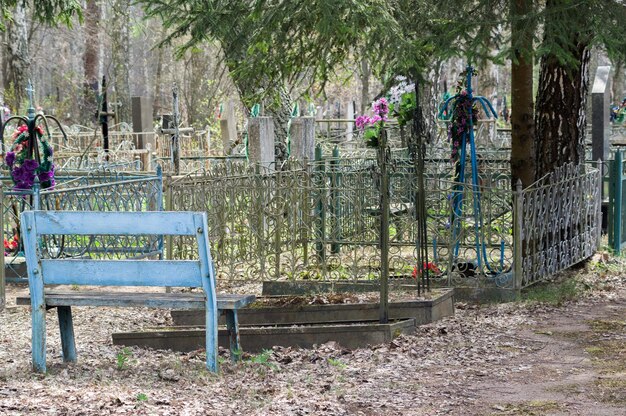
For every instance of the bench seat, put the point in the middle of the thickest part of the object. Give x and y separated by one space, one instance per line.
46 274
138 299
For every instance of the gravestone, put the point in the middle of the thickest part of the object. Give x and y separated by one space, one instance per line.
319 115
261 142
600 125
349 117
302 135
142 125
228 126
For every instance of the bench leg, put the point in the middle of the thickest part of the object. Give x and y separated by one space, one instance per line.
233 334
38 317
211 339
67 333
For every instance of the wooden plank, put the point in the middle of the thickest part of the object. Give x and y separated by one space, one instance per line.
175 273
134 299
117 223
66 326
35 284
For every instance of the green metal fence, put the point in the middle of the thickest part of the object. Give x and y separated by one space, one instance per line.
616 223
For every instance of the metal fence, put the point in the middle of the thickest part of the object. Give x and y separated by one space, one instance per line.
558 222
97 191
616 223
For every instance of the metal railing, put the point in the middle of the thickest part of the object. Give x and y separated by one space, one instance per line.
97 191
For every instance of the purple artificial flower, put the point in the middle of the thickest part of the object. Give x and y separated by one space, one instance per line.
30 165
10 158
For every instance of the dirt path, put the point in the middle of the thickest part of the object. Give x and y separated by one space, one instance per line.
575 364
508 359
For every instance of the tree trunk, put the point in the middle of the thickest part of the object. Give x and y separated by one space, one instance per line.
522 125
91 57
158 80
366 72
121 59
16 59
617 89
560 117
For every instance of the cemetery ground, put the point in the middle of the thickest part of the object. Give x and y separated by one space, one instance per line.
559 351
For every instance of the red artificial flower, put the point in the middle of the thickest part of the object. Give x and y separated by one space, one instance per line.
430 266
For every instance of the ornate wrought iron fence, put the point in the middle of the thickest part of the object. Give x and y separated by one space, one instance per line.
558 222
106 191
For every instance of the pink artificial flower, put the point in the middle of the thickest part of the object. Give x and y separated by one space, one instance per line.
361 122
381 107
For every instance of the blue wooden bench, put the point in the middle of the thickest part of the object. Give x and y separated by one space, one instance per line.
166 273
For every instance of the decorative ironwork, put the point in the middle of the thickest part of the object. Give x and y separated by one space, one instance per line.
98 191
560 221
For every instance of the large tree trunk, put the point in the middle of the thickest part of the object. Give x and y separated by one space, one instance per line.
522 125
121 58
561 101
16 59
91 57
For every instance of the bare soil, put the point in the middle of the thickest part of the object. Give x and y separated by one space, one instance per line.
507 359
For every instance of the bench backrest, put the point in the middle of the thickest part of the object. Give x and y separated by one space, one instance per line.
175 273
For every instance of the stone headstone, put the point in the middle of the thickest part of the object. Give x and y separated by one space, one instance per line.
142 108
142 120
261 142
349 116
228 126
302 136
600 125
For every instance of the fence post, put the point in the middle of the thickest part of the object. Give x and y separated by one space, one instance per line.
600 201
278 217
335 185
169 249
2 270
384 228
320 214
617 205
518 223
611 205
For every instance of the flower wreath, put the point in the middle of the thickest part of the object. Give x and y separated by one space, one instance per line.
20 160
460 125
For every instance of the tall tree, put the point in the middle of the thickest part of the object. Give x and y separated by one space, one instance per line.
522 131
16 59
16 63
91 56
120 58
563 86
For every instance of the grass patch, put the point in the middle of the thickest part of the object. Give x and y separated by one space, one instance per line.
602 326
554 293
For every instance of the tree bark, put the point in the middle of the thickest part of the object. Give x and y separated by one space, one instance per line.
91 57
366 72
560 115
617 88
17 59
121 59
522 124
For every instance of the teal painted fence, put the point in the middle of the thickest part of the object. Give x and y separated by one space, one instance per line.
617 200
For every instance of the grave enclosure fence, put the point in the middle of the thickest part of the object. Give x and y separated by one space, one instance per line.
319 220
96 191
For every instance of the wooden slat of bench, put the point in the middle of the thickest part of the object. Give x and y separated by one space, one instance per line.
175 273
133 299
116 223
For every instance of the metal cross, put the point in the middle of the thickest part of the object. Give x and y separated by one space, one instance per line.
30 91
